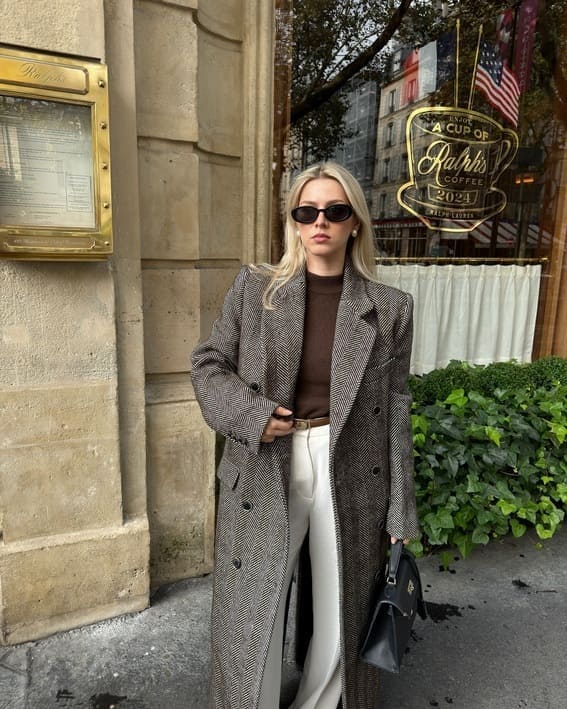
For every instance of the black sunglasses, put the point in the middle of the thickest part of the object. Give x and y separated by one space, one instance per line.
333 213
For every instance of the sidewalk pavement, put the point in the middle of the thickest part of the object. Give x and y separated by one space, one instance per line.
495 639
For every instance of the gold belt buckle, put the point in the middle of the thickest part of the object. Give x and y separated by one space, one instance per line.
301 424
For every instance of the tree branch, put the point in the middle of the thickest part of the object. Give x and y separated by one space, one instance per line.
324 92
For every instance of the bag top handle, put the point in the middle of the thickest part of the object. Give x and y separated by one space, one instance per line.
395 556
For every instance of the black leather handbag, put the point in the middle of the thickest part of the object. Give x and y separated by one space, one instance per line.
400 599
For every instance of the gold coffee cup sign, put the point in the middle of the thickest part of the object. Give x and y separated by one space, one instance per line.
455 159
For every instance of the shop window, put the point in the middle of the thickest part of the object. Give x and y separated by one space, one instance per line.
443 196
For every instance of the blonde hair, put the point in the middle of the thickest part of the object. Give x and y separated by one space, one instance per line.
360 249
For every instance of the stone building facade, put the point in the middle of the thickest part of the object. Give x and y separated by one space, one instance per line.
106 467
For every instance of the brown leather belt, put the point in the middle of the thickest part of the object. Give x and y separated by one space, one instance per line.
302 424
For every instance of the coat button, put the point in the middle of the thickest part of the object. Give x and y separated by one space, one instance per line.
236 562
254 386
247 505
376 410
376 470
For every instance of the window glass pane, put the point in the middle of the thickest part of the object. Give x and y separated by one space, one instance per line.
46 164
456 130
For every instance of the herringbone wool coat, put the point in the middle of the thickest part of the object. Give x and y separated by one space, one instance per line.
246 368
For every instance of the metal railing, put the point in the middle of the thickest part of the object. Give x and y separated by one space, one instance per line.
462 260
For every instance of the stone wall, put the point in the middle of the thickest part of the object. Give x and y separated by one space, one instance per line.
105 462
200 114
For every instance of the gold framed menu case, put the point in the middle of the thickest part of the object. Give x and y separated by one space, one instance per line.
54 158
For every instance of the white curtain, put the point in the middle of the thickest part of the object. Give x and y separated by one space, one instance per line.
479 314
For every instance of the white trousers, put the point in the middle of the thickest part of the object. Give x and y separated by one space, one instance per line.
310 509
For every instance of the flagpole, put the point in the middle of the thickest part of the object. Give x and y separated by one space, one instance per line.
512 50
457 63
475 68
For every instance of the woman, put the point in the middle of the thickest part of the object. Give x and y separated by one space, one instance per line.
305 374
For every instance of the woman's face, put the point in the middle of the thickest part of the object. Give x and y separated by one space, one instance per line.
324 241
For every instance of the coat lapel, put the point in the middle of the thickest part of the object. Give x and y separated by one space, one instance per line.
356 331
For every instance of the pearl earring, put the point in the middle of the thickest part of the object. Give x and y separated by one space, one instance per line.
354 233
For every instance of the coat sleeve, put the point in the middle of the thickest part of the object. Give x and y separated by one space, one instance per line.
229 405
402 514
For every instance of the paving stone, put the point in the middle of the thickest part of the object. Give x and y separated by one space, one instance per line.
14 664
494 639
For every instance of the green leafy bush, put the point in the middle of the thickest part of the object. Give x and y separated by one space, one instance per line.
490 465
548 369
439 383
502 375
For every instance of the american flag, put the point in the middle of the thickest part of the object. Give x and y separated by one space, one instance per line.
498 83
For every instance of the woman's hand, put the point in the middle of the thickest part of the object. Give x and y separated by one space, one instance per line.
280 423
395 539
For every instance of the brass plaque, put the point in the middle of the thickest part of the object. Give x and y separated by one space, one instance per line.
23 71
54 158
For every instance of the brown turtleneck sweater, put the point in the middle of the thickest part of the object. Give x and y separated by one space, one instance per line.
313 382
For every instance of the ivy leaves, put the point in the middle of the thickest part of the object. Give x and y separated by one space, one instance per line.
487 466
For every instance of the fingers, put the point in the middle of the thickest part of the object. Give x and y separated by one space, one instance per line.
279 424
276 427
282 411
395 539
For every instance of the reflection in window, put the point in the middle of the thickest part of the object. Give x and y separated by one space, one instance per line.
404 174
392 101
421 73
46 170
389 135
397 61
10 162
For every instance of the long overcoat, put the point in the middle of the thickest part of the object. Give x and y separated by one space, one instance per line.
246 368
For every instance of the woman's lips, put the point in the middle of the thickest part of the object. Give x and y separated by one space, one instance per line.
320 238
